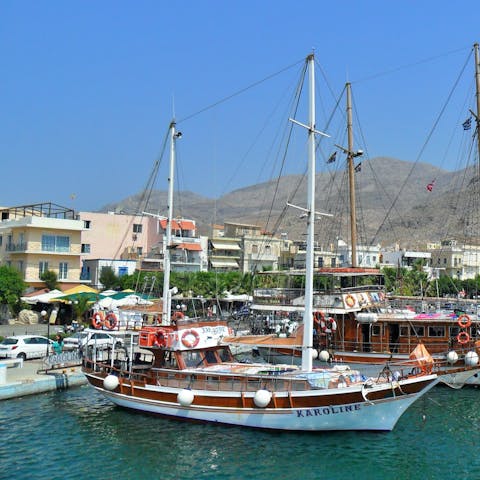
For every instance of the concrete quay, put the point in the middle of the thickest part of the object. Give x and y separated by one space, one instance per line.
32 378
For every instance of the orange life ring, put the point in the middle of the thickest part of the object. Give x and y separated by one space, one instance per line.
187 341
97 320
110 321
178 316
464 321
350 300
463 338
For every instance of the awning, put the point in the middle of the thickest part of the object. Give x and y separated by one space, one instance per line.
225 246
224 263
193 247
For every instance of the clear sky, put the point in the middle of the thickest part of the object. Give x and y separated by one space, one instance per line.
87 89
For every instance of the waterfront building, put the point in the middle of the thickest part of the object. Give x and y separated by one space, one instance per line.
40 237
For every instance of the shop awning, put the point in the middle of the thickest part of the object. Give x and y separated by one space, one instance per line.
193 247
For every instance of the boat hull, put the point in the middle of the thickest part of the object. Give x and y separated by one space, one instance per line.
380 407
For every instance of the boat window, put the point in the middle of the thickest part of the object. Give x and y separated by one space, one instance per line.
404 331
454 331
224 354
376 330
192 359
415 330
435 331
210 356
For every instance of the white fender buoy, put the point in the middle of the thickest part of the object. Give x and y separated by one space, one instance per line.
452 357
185 397
324 356
471 359
110 382
314 352
262 398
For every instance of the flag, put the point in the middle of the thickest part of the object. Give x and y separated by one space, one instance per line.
358 168
467 124
332 157
430 186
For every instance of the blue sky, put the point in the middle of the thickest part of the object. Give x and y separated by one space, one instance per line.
88 88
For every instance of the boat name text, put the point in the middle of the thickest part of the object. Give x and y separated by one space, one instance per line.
315 412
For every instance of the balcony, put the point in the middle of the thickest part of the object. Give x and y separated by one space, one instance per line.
16 247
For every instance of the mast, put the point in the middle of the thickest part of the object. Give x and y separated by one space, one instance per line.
351 177
308 314
477 119
167 297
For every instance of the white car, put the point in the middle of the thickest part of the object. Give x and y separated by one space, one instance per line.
97 339
25 346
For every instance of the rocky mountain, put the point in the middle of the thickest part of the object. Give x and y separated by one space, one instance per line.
392 201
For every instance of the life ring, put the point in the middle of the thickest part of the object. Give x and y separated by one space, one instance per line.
333 324
178 316
463 338
186 338
111 321
318 318
464 321
97 320
350 300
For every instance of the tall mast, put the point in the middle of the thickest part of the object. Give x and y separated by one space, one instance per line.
167 298
351 177
308 315
477 114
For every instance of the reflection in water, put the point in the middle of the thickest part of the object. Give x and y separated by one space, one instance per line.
77 434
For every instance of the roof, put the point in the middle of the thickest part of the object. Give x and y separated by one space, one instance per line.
178 224
222 245
224 263
194 247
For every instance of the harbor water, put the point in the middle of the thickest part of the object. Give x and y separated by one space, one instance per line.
77 434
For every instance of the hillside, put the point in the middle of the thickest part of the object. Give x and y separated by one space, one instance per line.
393 204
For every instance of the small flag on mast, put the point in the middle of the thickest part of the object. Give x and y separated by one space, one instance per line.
332 157
358 168
467 124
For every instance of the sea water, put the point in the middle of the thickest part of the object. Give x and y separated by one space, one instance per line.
77 434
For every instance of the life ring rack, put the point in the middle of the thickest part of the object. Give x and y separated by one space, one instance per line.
463 338
464 321
186 338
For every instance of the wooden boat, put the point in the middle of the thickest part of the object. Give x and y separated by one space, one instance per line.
194 376
355 324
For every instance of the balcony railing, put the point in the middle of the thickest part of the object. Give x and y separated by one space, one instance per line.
16 247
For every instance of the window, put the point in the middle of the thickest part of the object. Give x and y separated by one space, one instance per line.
334 263
55 243
63 270
404 331
122 271
1 240
320 262
20 266
137 228
417 331
376 330
85 248
87 224
139 251
42 268
436 331
254 248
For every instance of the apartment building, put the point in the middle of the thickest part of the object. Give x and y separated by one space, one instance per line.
40 237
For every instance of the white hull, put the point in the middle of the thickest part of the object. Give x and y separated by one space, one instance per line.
379 415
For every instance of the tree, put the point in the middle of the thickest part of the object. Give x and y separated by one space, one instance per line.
11 287
108 278
50 279
81 306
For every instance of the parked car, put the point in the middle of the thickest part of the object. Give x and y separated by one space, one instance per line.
25 346
97 339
